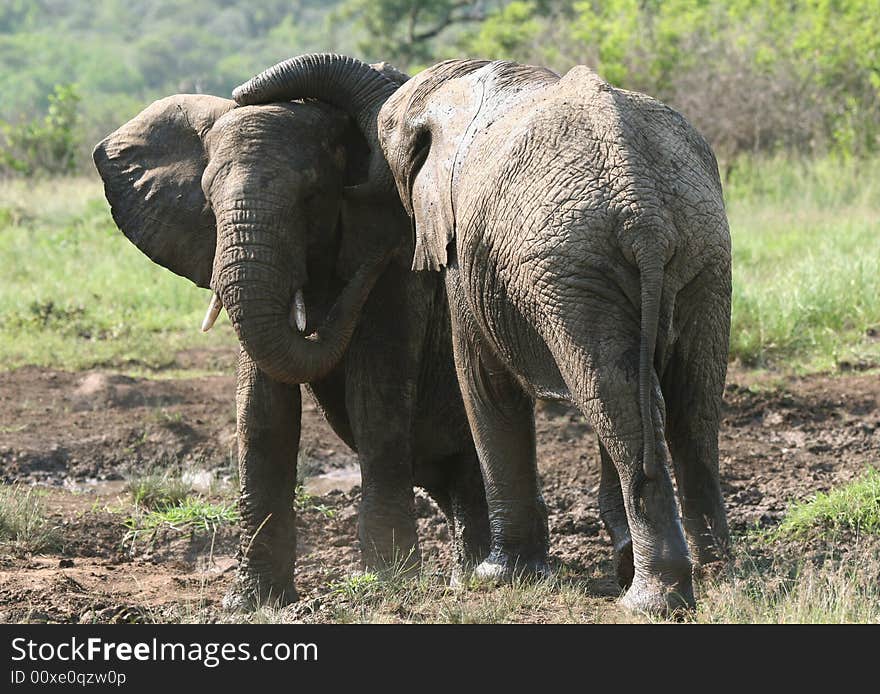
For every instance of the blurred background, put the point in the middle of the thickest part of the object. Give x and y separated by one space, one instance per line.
796 75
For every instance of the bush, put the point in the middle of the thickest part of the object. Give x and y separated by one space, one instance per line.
799 76
44 145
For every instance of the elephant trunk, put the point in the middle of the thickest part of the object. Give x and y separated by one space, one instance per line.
346 82
259 292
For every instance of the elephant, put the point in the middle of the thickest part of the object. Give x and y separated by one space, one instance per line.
261 205
585 249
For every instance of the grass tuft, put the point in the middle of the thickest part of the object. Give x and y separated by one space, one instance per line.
24 525
789 589
158 490
303 501
192 514
853 508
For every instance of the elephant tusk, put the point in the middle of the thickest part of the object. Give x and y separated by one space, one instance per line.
298 311
213 311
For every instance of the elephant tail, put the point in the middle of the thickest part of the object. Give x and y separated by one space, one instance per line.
650 263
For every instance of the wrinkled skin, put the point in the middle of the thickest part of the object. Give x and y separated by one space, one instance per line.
251 203
587 258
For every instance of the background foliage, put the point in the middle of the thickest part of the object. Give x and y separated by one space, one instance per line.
755 76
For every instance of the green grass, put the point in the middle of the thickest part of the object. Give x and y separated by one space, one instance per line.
303 501
818 566
774 577
753 590
853 508
788 590
77 294
808 577
806 263
191 514
24 525
806 275
158 490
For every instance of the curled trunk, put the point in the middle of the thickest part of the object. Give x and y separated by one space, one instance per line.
257 292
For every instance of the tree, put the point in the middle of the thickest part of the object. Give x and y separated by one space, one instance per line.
402 30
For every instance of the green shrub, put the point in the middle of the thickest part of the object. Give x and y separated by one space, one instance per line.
47 145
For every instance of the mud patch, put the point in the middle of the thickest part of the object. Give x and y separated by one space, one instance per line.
80 435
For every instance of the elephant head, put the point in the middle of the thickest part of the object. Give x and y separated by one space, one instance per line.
237 200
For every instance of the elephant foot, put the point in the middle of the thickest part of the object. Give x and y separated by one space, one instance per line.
658 599
244 597
462 573
389 548
624 565
499 568
397 561
391 553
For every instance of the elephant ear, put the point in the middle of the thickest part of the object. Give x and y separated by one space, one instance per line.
429 199
440 118
152 171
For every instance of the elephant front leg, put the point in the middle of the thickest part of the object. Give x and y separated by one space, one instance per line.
381 369
268 442
470 524
502 421
386 515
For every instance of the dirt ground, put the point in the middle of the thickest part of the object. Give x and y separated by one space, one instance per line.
81 435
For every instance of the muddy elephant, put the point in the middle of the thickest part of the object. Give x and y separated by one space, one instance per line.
587 258
261 205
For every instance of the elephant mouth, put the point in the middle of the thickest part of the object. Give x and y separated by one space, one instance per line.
298 316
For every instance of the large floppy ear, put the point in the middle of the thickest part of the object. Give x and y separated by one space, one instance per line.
438 117
152 170
428 199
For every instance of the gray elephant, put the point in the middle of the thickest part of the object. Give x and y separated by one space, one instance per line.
252 203
587 258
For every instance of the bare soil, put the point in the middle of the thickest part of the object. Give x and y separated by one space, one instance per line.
81 435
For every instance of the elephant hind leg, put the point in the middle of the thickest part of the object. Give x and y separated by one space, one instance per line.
502 421
612 510
693 385
603 377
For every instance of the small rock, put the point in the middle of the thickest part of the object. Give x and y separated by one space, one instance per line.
65 563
